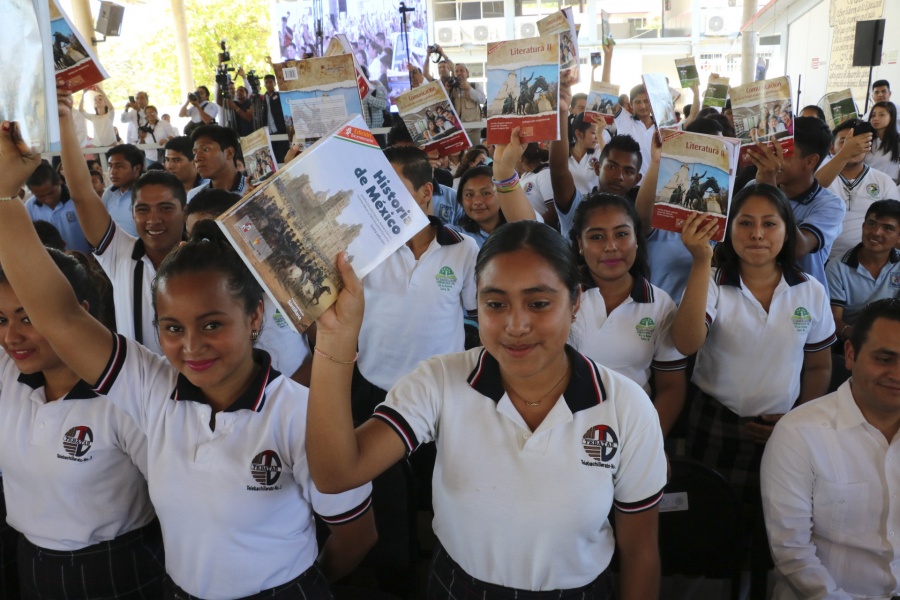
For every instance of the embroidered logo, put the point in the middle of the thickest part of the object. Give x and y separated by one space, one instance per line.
528 187
445 279
71 217
801 319
601 444
594 164
645 328
895 280
279 319
77 443
265 469
873 190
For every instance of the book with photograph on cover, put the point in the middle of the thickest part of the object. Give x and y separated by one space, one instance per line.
696 174
839 107
339 44
77 66
340 195
661 104
762 110
687 72
562 22
259 158
431 120
602 102
716 91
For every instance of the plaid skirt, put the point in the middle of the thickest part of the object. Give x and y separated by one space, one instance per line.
448 581
309 585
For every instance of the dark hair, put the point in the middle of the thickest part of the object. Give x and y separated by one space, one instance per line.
597 200
209 251
727 258
44 173
848 124
183 145
398 133
707 111
887 308
636 91
727 127
465 163
131 153
413 164
155 166
204 88
625 143
269 76
884 209
465 221
578 98
225 137
820 114
534 154
541 239
890 140
96 173
687 110
162 178
705 125
812 136
882 83
579 124
49 235
211 201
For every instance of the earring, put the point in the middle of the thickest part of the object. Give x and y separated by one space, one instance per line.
581 252
254 335
574 317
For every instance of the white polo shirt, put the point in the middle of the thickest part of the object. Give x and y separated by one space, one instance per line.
752 359
858 195
415 308
830 486
69 473
852 287
235 504
584 172
210 108
537 187
521 508
626 124
631 339
287 348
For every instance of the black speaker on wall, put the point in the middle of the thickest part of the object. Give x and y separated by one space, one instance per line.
868 43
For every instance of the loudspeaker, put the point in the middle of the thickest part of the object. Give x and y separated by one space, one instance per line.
868 43
109 20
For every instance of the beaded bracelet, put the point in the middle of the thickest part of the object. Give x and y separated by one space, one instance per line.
8 198
507 185
334 360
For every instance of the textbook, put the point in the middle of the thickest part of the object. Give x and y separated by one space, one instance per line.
317 94
563 23
839 107
340 45
259 158
523 89
687 72
762 110
340 195
74 60
601 102
431 119
605 34
596 59
696 174
661 104
716 92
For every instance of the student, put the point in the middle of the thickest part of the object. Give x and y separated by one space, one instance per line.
51 202
885 152
179 161
226 468
534 173
72 463
126 164
762 328
583 163
526 472
624 321
216 150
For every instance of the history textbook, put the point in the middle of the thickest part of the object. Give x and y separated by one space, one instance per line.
601 102
762 111
341 194
77 66
431 120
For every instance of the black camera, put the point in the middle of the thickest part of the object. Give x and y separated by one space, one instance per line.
146 128
223 78
433 49
451 83
193 97
224 55
253 81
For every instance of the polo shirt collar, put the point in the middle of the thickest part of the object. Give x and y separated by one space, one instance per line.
585 388
81 391
731 277
253 398
138 252
809 195
443 234
641 291
857 181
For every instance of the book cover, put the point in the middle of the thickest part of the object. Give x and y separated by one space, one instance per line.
716 92
605 33
259 158
341 194
839 107
523 89
661 104
431 119
687 72
762 110
338 45
696 174
317 94
596 59
601 102
562 23
74 60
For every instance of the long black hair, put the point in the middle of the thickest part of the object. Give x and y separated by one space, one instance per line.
890 140
465 221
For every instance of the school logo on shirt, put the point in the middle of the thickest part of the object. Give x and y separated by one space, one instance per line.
801 319
594 164
895 280
279 319
529 186
77 443
71 217
645 328
601 444
873 190
265 469
445 278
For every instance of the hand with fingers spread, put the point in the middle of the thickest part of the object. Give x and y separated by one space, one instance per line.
769 162
17 161
696 234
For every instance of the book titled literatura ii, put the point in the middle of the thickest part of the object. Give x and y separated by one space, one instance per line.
696 174
431 120
77 67
523 89
762 111
340 195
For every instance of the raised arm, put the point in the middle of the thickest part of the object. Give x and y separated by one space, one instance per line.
689 327
607 61
646 196
560 177
82 342
853 146
695 89
513 202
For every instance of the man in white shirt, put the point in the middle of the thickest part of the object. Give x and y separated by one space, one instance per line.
134 116
831 476
199 108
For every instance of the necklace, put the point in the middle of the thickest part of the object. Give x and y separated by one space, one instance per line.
544 396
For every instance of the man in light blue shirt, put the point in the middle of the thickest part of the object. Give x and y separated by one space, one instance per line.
126 163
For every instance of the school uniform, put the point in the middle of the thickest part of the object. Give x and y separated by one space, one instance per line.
626 124
64 217
118 205
635 337
852 287
858 195
238 186
236 501
880 158
585 171
519 508
670 262
444 204
537 187
73 480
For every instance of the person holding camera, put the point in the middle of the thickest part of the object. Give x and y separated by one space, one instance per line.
155 131
199 109
239 103
134 115
467 97
445 65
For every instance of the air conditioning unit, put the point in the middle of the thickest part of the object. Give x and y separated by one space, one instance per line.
447 35
721 22
527 30
481 34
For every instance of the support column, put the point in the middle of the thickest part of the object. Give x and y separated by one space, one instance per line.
84 21
748 44
182 49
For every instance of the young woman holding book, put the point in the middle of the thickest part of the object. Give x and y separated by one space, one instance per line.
885 153
226 462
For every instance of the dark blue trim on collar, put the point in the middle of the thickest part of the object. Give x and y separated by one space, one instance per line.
852 185
138 252
642 291
791 276
64 196
809 195
253 398
851 257
444 235
584 391
81 391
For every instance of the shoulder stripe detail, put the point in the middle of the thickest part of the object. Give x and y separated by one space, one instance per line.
709 322
107 238
816 232
640 506
595 374
261 398
350 515
838 302
815 347
476 374
669 365
113 367
399 424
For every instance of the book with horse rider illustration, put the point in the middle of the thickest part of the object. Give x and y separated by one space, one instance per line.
341 194
523 89
696 174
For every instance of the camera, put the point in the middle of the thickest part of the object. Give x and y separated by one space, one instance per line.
223 77
451 83
224 55
433 49
253 81
146 128
193 97
131 99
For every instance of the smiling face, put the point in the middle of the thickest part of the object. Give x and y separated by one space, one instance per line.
30 352
608 243
159 219
876 370
479 200
880 234
757 232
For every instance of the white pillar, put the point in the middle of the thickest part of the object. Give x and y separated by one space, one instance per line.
748 44
84 22
182 49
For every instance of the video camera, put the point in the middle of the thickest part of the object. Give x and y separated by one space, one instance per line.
224 55
253 81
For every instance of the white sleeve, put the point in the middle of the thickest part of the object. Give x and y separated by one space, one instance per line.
477 95
665 356
821 333
128 116
469 290
712 300
413 406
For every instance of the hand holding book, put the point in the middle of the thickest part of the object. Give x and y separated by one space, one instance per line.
769 164
341 322
696 234
507 155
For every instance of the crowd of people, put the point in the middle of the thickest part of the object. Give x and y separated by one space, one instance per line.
538 353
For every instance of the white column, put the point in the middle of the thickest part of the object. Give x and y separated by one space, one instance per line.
748 43
183 49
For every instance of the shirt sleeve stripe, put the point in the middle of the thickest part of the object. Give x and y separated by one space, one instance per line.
816 232
670 365
113 367
821 345
107 238
838 302
350 515
709 322
640 506
396 421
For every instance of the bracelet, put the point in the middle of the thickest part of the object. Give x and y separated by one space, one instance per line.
507 185
509 189
334 360
507 182
8 198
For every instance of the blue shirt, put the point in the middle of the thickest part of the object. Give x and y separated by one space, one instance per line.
670 262
444 205
63 217
118 204
852 287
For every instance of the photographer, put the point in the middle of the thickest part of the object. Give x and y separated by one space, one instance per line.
242 108
134 115
467 98
445 65
155 131
199 109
